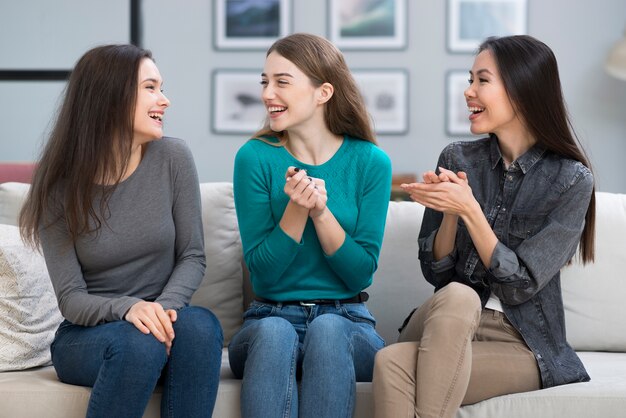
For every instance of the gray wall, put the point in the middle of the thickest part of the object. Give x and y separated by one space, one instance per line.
181 38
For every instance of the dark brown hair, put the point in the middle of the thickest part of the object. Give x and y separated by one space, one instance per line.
90 143
345 113
530 74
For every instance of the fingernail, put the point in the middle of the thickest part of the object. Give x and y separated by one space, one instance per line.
296 169
310 178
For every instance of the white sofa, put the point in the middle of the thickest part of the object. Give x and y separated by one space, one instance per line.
593 297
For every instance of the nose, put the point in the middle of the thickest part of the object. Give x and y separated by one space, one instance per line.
268 92
469 92
163 100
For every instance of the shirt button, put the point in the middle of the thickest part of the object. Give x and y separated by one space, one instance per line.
510 177
503 209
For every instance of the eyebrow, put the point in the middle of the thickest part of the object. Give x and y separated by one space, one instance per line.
152 80
278 75
481 71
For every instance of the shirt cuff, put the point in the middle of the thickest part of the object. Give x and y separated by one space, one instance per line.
504 261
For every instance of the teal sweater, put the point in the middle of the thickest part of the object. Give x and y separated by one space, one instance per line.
358 181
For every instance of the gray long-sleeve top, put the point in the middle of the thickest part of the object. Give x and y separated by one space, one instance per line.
151 246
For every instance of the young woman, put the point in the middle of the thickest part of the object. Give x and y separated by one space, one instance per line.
117 214
503 215
311 193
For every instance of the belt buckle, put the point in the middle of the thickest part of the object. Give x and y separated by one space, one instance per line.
307 304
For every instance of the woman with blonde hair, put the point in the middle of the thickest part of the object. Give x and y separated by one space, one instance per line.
311 193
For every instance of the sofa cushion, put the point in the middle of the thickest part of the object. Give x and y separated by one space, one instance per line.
593 295
221 289
29 315
12 197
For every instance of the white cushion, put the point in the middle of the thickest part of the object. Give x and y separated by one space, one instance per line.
29 315
593 295
12 197
221 289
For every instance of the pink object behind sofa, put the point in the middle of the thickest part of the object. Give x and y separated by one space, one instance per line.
18 172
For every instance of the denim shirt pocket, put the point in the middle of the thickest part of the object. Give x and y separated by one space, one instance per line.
524 226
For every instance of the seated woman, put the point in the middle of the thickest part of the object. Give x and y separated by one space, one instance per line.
311 193
116 209
503 215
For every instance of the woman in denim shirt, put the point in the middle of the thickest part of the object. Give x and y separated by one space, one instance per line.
503 215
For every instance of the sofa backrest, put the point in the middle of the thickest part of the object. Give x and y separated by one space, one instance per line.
592 294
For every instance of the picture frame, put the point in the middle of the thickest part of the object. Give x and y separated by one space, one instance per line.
236 106
386 95
457 115
368 24
471 21
232 23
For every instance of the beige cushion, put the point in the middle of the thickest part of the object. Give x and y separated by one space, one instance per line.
12 197
594 295
29 315
221 289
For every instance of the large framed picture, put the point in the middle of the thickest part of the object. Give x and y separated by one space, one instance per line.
250 24
457 115
368 24
237 107
471 21
386 94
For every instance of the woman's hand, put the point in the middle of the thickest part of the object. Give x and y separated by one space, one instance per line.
322 198
304 190
150 317
447 192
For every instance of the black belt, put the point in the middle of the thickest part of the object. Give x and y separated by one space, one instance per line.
360 298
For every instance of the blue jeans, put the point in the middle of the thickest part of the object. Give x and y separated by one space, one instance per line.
124 365
329 346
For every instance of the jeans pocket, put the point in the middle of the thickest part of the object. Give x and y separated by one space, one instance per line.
358 312
258 310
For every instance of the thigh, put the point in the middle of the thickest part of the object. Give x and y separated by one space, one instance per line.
79 352
502 363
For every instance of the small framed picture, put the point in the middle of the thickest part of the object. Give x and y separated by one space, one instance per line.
386 95
457 115
250 24
471 21
237 107
368 24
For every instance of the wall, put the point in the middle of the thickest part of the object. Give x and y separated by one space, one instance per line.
180 34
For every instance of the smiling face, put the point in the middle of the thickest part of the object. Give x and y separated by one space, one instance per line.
487 99
291 99
150 105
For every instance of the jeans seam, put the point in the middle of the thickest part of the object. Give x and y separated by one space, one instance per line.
458 371
292 372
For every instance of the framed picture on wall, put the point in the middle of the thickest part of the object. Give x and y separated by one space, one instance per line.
457 115
368 24
250 24
236 106
386 95
471 21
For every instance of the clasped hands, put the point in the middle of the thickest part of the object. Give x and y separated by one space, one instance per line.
150 317
305 191
447 192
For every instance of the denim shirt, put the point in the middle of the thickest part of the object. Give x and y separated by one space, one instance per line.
537 210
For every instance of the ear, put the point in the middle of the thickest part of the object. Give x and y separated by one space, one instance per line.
324 93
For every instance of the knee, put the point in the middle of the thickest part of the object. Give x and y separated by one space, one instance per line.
328 332
200 325
459 297
135 349
395 359
273 332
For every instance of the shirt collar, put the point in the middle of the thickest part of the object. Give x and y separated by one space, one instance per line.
525 162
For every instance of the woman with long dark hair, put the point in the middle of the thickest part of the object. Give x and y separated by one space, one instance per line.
116 210
503 215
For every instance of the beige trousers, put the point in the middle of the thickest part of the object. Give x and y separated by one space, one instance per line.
451 354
